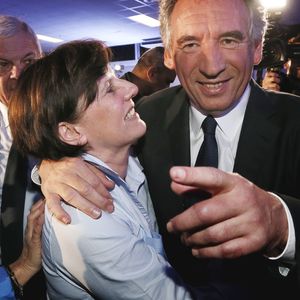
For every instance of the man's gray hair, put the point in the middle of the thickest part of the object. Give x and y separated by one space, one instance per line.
258 24
10 26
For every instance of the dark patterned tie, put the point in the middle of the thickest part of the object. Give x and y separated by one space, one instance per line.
208 153
207 156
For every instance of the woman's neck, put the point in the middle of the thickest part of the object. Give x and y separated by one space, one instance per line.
116 160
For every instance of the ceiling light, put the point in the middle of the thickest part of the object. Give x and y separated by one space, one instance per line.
48 38
118 68
145 20
272 4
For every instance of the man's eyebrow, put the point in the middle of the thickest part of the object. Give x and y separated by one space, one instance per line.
186 38
29 54
234 34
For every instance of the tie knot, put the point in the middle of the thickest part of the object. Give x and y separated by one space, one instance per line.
209 125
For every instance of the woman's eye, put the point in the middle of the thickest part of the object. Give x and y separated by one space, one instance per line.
109 88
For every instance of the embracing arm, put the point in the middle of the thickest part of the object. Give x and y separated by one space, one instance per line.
78 183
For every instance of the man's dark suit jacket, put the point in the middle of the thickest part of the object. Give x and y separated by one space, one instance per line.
17 179
268 154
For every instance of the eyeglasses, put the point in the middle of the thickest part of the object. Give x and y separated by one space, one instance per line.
6 65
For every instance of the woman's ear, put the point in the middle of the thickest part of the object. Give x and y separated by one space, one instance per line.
71 134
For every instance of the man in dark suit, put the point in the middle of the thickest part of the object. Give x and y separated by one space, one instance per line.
257 135
270 123
213 46
18 48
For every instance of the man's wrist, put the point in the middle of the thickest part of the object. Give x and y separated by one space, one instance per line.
287 251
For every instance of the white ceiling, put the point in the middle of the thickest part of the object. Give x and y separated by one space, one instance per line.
102 19
73 19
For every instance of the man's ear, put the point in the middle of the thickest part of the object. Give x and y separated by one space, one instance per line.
71 134
258 52
151 73
169 60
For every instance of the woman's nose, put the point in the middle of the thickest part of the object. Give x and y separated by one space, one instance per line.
130 89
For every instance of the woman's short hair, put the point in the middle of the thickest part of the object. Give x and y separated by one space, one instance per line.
56 88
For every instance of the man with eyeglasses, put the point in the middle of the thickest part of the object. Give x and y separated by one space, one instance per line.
20 260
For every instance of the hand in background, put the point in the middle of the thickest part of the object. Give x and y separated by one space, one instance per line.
271 81
30 261
239 218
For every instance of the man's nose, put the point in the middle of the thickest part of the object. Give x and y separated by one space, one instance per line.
16 70
211 61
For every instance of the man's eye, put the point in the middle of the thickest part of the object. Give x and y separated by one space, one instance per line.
4 64
29 61
230 43
190 47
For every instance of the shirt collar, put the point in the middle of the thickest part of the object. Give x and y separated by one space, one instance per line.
229 123
134 177
4 115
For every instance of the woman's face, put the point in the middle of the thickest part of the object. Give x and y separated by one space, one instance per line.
110 123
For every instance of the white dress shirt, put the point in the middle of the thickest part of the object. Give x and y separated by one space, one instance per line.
5 144
227 135
118 256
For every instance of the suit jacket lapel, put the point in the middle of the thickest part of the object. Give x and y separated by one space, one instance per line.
177 125
12 208
258 135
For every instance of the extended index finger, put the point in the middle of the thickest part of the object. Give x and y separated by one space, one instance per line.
205 178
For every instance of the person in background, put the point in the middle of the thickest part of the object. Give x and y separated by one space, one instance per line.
242 239
120 255
288 79
150 74
19 48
